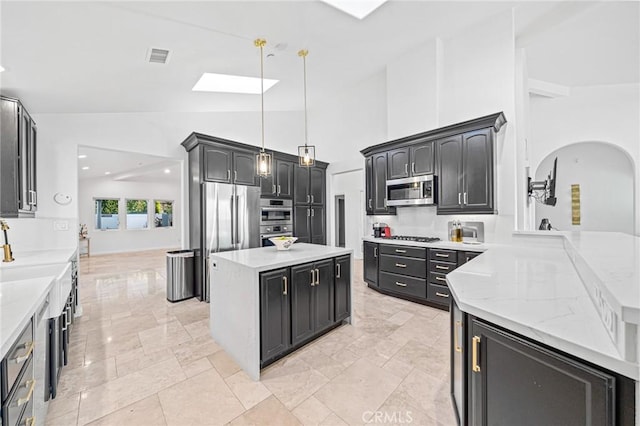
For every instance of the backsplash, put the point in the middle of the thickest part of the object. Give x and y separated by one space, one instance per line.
42 234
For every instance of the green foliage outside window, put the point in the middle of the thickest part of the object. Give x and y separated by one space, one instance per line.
164 207
137 206
108 206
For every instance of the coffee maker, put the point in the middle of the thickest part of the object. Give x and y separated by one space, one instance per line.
378 229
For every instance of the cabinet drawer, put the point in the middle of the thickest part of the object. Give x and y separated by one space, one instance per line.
441 267
417 252
415 287
441 255
403 265
438 293
18 355
437 278
21 397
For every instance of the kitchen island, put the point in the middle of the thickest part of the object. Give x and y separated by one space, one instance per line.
267 303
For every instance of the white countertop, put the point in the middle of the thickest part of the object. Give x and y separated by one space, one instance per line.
40 257
438 244
19 301
267 258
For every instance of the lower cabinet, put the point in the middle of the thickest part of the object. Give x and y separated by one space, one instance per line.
17 381
503 378
299 303
370 263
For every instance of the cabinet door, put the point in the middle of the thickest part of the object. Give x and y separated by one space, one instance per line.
324 295
421 159
302 306
244 168
301 185
275 317
369 184
9 170
24 132
31 153
301 223
380 183
458 368
342 288
317 185
318 234
370 272
217 164
518 382
284 178
398 163
477 161
466 256
449 174
268 186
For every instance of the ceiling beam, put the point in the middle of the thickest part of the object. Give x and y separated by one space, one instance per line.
548 90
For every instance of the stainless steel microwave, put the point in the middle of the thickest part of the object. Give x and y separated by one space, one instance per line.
413 191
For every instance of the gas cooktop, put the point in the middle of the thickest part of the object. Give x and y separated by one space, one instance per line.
417 239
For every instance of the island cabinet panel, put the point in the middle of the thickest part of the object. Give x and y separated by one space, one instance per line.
302 302
324 296
342 288
275 316
370 263
516 381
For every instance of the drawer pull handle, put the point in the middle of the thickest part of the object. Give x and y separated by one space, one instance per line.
286 285
474 354
23 358
317 276
31 421
441 255
313 277
441 279
441 294
32 384
401 284
401 265
455 336
400 251
338 272
446 268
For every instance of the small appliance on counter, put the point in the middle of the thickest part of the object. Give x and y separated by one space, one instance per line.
379 230
466 232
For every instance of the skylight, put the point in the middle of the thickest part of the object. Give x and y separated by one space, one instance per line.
210 82
356 8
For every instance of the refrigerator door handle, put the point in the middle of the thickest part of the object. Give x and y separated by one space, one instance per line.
237 220
232 220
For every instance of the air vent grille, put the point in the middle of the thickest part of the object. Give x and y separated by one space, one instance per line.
158 56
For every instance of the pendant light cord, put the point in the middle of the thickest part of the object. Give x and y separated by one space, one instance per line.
304 67
260 43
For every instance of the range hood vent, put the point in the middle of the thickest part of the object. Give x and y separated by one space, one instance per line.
158 56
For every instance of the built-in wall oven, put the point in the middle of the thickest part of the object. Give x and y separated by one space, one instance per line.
276 219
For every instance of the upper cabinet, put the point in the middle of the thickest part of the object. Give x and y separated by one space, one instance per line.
280 183
412 160
368 174
379 180
18 140
398 163
229 166
309 185
309 218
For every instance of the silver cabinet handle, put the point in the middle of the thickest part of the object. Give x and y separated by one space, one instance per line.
385 202
413 168
400 251
284 281
313 277
338 268
467 258
313 213
465 198
308 198
459 195
401 265
442 255
64 327
312 198
308 212
401 284
235 175
375 252
442 267
317 276
370 201
406 168
441 279
229 175
441 294
278 189
273 191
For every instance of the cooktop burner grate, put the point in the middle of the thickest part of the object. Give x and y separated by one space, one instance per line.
417 239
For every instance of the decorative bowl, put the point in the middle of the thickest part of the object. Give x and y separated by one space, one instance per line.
283 243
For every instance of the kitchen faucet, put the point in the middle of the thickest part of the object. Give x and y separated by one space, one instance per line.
8 255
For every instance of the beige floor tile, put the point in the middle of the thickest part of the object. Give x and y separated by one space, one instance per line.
293 381
135 360
197 367
194 349
328 366
224 364
334 420
249 392
163 336
111 396
269 412
429 359
88 376
116 346
145 412
400 318
397 367
68 419
361 387
198 328
203 399
63 404
311 411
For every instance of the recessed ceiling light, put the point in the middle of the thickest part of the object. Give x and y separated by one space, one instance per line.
82 156
358 9
1 68
210 82
85 168
167 171
107 173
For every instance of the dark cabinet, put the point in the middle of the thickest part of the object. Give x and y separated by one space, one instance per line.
342 288
317 177
466 173
422 157
317 225
458 350
513 380
280 183
370 263
379 180
228 166
398 163
309 185
309 199
275 317
368 175
309 224
312 299
18 141
467 256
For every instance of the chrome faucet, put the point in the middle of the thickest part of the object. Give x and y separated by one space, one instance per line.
8 255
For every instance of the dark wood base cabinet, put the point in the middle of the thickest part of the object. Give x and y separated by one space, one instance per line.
501 378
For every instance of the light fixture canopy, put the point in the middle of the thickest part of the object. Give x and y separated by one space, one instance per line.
306 152
263 159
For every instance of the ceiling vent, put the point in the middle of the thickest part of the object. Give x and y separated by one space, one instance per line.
158 56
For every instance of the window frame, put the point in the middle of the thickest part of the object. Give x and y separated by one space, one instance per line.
95 214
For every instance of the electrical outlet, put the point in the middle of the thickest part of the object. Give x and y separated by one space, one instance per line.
61 225
609 318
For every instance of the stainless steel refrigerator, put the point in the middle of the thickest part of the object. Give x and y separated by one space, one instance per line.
230 219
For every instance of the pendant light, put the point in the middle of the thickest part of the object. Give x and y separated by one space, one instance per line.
306 152
263 159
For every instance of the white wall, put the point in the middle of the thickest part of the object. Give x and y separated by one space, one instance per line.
123 239
609 114
349 184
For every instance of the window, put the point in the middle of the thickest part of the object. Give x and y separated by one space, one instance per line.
137 214
164 214
107 214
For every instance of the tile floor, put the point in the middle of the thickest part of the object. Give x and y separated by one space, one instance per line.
137 359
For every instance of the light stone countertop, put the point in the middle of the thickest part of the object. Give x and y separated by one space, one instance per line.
40 257
266 258
450 245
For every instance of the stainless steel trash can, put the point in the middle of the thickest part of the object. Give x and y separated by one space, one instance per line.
180 269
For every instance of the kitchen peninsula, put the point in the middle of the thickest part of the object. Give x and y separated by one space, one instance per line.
266 303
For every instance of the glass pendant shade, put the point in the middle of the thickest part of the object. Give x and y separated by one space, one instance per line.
307 155
263 163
